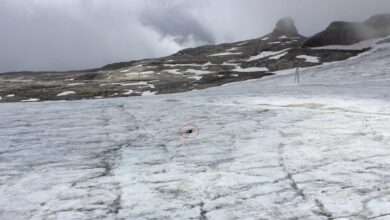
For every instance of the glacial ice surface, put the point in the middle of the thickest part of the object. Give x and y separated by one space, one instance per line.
267 149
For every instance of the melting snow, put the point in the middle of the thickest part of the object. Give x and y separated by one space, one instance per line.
129 92
309 59
277 57
208 64
75 84
183 65
198 72
31 100
66 93
147 72
243 43
251 69
265 54
229 64
174 71
276 42
225 54
232 49
134 84
196 77
148 93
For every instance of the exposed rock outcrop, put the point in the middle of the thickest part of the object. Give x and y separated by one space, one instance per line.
346 33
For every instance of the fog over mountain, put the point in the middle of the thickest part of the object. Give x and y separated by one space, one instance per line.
77 34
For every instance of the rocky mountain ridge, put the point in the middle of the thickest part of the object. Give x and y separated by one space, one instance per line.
189 69
346 33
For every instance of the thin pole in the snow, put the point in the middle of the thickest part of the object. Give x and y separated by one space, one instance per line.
297 75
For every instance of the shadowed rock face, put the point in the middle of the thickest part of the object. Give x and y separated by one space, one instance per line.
346 33
286 26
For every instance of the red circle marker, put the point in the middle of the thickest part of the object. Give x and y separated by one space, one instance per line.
189 131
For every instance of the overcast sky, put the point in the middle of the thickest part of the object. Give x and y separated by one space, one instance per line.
77 34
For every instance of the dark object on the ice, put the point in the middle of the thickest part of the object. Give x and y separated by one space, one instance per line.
189 131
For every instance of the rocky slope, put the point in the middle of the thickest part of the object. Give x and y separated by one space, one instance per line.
189 69
345 33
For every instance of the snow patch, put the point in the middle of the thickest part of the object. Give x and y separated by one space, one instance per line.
134 84
66 93
251 69
148 93
208 64
277 57
75 84
232 49
229 64
196 77
225 54
243 43
182 65
266 54
309 59
174 71
129 92
147 72
30 100
198 72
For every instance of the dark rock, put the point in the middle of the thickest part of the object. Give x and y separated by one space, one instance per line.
346 33
286 26
338 33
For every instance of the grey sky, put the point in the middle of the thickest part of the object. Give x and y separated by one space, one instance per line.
78 34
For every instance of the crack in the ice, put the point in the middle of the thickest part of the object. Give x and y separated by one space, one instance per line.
289 175
379 216
322 210
202 213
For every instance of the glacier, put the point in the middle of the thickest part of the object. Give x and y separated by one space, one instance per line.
267 149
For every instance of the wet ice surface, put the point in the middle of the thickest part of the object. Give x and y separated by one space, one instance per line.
267 149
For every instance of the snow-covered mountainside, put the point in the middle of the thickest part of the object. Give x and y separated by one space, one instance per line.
266 149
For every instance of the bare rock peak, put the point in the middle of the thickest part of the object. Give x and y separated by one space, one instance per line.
286 26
